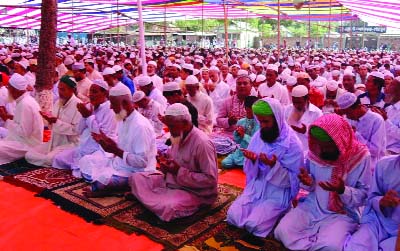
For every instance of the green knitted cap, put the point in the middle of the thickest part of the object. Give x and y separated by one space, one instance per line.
262 108
320 134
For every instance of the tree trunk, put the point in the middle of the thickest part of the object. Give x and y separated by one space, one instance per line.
47 55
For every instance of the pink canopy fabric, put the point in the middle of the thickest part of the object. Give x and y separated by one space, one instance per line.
95 15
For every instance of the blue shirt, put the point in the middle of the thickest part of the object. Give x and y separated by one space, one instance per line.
129 83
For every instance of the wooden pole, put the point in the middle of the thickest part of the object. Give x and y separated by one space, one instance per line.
309 29
330 20
142 40
226 29
279 28
341 27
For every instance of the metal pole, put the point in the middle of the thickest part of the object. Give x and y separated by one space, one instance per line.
126 31
226 29
309 29
363 36
330 16
279 28
117 23
142 41
341 27
165 25
351 34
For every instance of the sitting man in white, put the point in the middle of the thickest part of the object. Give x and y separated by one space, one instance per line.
134 151
96 116
63 124
188 177
25 128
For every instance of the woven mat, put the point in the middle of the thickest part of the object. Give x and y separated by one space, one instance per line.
71 198
16 167
41 179
178 232
228 238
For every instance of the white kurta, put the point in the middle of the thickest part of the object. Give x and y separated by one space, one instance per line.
220 93
64 134
151 112
83 89
157 82
277 91
370 130
309 116
137 139
157 95
24 131
102 119
205 109
10 108
393 128
94 75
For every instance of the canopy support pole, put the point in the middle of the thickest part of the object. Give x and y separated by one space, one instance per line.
279 28
165 25
72 19
117 23
330 20
341 27
226 30
202 41
309 30
142 41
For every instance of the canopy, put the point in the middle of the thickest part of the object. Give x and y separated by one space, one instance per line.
95 15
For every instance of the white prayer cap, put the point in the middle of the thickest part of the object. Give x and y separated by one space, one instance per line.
191 80
15 55
236 65
348 73
110 62
108 71
137 96
171 86
252 77
299 91
78 66
119 90
332 85
260 78
177 109
335 73
272 67
397 68
132 55
79 52
388 74
291 81
243 72
214 68
68 61
152 63
195 72
117 68
259 64
177 66
198 60
89 60
32 61
357 86
18 82
103 84
377 74
346 100
143 80
127 61
187 67
23 63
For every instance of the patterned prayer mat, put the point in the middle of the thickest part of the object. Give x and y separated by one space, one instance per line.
228 238
71 198
16 167
41 179
178 232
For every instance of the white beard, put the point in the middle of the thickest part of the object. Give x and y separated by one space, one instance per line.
176 140
121 115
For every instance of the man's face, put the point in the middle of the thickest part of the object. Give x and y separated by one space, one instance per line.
304 81
205 75
313 73
224 70
172 99
348 82
271 76
151 69
363 71
370 85
88 67
115 104
243 86
388 81
97 95
192 90
64 91
392 92
214 76
234 71
325 150
146 89
78 75
269 131
176 129
299 103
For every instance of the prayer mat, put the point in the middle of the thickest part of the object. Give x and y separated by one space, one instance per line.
16 167
224 237
178 232
71 199
41 179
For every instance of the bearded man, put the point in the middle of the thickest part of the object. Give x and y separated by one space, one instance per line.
273 161
25 127
337 176
188 174
134 151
